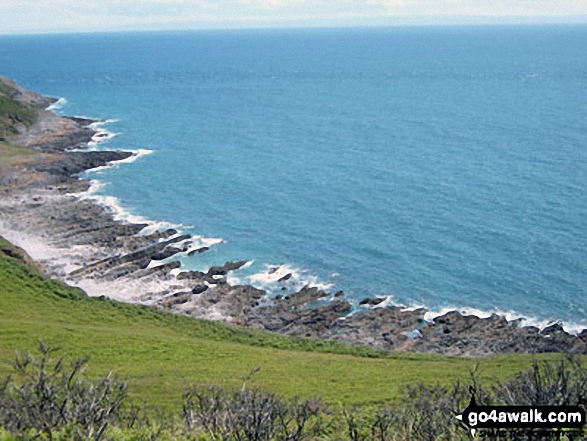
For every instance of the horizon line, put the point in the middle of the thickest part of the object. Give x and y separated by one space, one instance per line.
420 22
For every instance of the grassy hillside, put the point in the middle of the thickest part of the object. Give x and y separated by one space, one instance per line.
160 354
13 114
11 154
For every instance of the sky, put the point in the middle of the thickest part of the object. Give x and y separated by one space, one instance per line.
57 16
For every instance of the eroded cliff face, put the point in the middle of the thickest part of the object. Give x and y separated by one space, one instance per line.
45 208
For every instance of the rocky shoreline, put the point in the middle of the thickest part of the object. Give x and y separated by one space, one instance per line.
45 209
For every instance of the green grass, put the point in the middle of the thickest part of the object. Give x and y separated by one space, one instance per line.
12 114
6 89
13 158
160 354
10 151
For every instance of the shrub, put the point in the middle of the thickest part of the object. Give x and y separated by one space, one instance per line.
546 384
251 415
428 412
48 398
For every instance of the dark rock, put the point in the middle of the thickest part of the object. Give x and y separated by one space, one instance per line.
233 302
373 301
553 329
191 275
83 121
383 328
140 255
198 251
72 163
168 252
135 242
226 268
285 278
531 330
73 140
317 321
178 298
199 289
161 269
304 296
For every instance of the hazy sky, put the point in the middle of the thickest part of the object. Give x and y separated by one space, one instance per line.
34 16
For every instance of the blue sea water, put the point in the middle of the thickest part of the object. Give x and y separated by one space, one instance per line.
446 167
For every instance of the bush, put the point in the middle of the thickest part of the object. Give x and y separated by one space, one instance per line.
251 415
428 412
50 398
546 384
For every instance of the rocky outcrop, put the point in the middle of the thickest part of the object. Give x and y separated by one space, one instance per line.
199 289
179 298
72 163
198 251
457 334
215 274
285 278
372 302
116 266
226 268
234 303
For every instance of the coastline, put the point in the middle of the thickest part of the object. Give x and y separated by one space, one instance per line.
47 209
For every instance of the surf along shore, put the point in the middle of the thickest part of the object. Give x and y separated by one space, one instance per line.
48 210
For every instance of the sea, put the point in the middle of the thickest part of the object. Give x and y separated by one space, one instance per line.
438 167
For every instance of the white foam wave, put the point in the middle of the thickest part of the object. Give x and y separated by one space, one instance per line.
59 104
98 124
136 154
248 264
58 260
234 277
154 264
191 244
273 273
121 213
152 225
431 314
389 301
95 186
269 278
313 282
41 251
144 291
208 241
102 135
